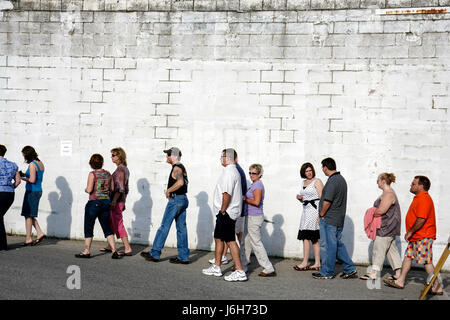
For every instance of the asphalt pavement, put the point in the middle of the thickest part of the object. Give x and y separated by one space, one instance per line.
50 271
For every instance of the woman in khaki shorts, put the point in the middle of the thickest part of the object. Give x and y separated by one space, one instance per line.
384 244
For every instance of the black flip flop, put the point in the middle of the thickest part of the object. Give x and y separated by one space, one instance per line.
367 277
105 250
125 254
25 244
83 255
37 241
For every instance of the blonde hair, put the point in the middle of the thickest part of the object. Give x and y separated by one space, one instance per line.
121 155
257 167
388 177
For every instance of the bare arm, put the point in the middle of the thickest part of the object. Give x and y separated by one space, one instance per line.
226 199
90 183
416 227
257 195
177 174
32 178
17 179
319 187
386 202
325 206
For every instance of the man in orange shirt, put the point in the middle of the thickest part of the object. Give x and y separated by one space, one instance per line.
420 233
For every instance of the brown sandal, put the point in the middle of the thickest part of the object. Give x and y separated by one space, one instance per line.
297 268
314 268
391 283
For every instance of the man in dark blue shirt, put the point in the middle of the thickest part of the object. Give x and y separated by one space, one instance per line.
241 222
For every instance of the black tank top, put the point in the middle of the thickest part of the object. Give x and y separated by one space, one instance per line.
183 189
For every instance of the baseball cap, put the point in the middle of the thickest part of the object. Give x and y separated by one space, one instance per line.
173 151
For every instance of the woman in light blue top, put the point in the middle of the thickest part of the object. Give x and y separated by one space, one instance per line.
33 193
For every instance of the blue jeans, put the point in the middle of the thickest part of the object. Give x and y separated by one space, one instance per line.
334 248
175 209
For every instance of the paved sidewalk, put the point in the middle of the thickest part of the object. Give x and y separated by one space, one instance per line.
44 272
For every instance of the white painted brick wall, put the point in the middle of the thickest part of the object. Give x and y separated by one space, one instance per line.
283 87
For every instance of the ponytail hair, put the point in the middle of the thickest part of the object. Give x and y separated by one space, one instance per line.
388 177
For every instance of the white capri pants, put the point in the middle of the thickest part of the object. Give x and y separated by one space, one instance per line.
253 241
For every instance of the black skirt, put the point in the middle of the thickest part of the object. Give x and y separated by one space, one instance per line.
312 235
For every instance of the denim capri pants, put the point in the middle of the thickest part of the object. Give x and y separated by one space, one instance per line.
97 209
31 204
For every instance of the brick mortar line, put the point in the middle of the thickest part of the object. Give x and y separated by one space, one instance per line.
231 21
240 5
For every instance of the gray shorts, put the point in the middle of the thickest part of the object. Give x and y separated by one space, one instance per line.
239 225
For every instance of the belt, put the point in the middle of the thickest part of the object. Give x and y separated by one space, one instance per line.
311 202
173 195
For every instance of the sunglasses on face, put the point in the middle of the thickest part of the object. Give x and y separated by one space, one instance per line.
253 173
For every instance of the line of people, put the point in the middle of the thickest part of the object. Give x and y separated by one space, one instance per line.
10 179
107 196
322 224
240 215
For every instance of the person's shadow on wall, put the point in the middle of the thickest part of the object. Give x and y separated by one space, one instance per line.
142 209
60 219
205 225
348 235
275 242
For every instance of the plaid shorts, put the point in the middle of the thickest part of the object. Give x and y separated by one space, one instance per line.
420 251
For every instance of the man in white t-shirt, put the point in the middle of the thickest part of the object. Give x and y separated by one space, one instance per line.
228 204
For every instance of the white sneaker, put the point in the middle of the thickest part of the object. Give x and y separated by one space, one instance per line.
213 271
224 260
237 275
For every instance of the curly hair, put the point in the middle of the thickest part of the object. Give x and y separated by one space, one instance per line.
96 161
